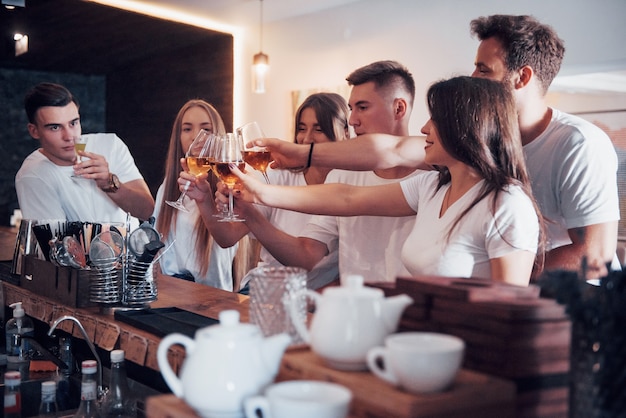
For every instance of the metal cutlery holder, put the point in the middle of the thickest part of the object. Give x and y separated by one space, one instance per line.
126 281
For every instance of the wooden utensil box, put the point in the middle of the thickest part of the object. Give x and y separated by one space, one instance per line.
66 285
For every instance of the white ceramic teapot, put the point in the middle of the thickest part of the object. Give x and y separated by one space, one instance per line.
225 364
349 320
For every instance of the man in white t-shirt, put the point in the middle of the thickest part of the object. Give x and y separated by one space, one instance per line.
381 100
52 183
572 163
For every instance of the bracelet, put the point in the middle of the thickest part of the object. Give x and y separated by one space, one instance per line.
308 163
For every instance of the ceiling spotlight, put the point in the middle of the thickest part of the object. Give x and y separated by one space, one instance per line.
21 44
12 4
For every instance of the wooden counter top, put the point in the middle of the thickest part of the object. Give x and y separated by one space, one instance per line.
108 333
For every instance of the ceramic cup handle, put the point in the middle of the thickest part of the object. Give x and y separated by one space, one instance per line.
169 376
378 363
254 405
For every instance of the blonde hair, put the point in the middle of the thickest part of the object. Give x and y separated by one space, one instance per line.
167 214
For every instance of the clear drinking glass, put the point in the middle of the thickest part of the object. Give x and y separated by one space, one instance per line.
271 292
80 144
198 162
256 157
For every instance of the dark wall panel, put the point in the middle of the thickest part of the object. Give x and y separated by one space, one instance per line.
143 99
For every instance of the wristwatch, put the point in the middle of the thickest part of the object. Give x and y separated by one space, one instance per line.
114 184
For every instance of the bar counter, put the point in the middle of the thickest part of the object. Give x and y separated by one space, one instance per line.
473 394
140 346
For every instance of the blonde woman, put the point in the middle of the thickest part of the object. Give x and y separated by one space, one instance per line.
194 255
322 117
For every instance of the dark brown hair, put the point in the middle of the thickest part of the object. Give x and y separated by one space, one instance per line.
331 111
525 41
477 125
46 94
385 74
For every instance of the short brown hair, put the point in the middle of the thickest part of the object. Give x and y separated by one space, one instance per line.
525 41
384 74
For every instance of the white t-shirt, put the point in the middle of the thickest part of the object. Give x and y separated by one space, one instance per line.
326 270
48 191
368 245
573 169
478 237
181 257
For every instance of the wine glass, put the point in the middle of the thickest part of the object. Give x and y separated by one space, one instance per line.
228 151
198 162
257 157
80 143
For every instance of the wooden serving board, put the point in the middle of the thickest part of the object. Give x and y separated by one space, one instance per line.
464 289
471 395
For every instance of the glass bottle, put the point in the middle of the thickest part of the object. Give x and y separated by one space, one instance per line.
118 401
64 399
88 407
66 356
48 406
12 395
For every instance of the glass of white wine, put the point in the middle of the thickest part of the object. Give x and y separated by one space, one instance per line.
256 157
198 162
228 150
80 144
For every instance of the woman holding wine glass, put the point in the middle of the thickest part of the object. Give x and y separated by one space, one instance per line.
256 157
194 255
475 213
322 117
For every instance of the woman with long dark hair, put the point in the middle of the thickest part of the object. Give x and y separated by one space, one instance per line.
475 214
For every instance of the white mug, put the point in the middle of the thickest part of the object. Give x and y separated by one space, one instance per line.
301 399
418 362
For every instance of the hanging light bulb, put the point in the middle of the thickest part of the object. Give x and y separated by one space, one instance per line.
260 62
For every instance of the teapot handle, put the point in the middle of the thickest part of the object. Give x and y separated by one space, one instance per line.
299 323
169 376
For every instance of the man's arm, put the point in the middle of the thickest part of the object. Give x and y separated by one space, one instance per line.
513 268
366 152
134 197
287 249
598 243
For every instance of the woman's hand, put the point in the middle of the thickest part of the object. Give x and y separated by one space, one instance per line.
198 188
247 189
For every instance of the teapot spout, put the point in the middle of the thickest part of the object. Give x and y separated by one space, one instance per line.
272 352
393 307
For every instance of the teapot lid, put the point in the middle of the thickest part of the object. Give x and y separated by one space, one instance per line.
230 327
352 286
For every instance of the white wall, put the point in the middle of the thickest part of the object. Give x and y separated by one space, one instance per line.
430 37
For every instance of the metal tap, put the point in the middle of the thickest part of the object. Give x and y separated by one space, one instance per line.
89 343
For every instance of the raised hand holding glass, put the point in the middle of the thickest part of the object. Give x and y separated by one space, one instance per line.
257 157
198 162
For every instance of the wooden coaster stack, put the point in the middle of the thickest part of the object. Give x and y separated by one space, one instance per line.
509 332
